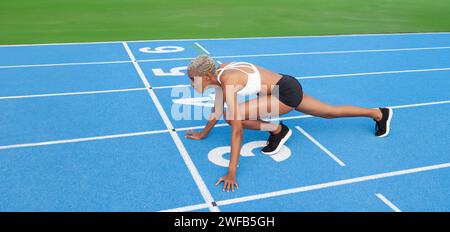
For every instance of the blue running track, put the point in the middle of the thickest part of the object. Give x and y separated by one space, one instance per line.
93 127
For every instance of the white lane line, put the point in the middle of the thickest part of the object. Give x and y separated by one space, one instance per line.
420 104
290 117
332 184
203 49
226 124
334 52
81 139
187 85
242 38
72 93
183 152
187 208
238 56
339 75
64 64
167 59
171 86
306 53
388 202
183 129
374 73
329 184
342 164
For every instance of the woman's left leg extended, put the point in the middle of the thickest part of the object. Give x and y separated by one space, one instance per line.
382 116
312 106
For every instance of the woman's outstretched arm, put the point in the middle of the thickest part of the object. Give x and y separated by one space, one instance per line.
234 118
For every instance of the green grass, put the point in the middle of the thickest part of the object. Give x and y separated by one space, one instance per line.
48 21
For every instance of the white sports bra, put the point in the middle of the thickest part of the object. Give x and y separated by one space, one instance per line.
253 85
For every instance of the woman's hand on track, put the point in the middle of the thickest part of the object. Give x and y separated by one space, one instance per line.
195 135
229 182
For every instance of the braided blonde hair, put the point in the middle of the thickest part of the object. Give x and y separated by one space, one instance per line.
202 65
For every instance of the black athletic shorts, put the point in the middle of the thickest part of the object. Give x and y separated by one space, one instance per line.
290 91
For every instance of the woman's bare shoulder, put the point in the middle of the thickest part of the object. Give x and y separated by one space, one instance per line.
230 77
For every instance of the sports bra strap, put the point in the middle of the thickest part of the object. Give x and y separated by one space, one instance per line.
236 66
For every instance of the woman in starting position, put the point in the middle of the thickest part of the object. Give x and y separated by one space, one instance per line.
278 94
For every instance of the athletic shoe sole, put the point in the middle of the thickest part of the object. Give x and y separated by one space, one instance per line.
288 135
388 124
